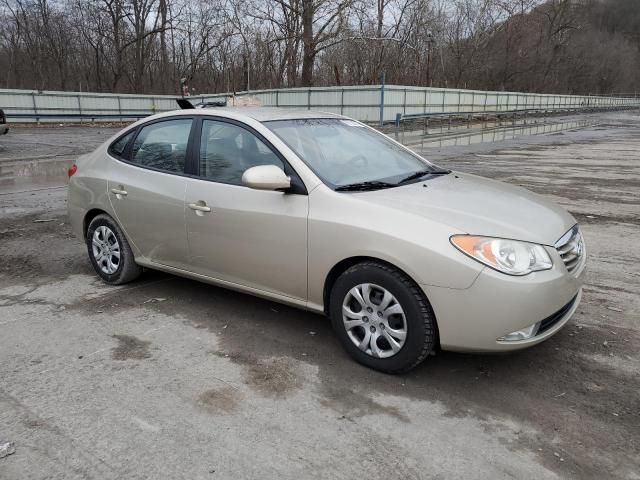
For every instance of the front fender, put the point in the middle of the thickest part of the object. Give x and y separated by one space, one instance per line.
341 227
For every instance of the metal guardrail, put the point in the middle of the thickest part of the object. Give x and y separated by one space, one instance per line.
506 113
372 103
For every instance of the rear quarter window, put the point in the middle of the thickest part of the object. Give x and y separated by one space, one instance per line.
119 147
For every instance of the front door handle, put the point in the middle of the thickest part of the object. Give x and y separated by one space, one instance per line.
200 207
119 192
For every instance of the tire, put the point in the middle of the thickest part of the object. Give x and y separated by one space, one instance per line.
416 321
114 271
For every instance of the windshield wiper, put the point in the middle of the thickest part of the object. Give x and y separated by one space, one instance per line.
364 186
423 173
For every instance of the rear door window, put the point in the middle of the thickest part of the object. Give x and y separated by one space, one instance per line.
162 145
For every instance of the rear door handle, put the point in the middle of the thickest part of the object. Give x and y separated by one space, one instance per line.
120 191
199 207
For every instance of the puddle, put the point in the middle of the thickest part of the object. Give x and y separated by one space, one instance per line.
32 174
130 348
442 136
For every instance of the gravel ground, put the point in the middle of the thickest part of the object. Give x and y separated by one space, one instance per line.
170 378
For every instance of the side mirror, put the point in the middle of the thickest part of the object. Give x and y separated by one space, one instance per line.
266 177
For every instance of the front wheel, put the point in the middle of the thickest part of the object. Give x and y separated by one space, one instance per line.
382 318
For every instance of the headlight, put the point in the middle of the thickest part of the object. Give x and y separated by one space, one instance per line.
507 256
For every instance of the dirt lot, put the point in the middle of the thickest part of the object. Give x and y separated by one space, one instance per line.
170 378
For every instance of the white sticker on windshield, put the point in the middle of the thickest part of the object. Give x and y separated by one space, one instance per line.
351 123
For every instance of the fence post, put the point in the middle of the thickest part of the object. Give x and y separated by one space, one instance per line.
277 98
382 99
35 107
119 109
342 101
404 102
426 92
79 107
309 99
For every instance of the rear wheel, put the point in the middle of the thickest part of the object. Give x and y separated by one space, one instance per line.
109 251
382 318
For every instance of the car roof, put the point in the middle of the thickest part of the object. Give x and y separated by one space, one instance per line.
261 114
265 114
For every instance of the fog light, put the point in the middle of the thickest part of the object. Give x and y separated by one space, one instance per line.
523 334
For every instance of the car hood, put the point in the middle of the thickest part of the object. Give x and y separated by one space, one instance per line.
479 206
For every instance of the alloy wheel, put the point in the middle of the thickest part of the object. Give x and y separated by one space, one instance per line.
106 249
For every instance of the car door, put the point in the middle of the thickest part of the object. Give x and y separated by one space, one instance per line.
252 238
146 188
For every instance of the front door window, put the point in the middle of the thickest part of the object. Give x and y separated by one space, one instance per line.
227 151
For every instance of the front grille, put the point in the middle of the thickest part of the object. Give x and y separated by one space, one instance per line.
571 249
551 320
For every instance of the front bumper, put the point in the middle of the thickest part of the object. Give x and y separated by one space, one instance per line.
473 319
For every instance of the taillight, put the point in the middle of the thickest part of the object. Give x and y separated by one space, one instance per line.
72 169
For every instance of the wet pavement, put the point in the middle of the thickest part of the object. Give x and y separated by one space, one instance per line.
32 157
171 378
484 132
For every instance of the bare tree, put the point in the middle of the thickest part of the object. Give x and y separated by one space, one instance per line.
572 46
316 24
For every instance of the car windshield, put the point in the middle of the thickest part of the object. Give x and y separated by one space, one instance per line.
344 154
